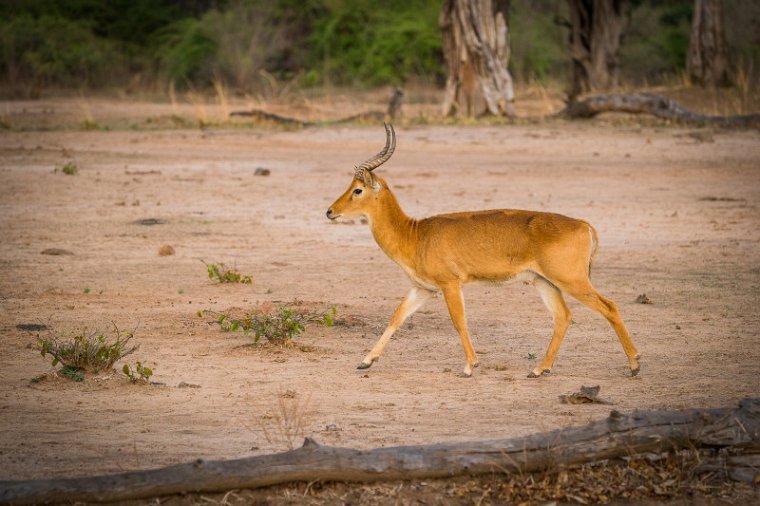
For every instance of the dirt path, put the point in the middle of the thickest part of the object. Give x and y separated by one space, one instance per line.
677 215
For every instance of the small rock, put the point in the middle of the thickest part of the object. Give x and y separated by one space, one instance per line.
643 299
261 171
187 385
332 428
166 250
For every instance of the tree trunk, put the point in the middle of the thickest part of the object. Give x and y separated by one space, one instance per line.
596 30
737 429
707 61
476 49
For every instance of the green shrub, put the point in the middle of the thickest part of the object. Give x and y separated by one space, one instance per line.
140 373
656 41
70 169
53 49
183 48
365 42
538 45
90 353
220 273
277 327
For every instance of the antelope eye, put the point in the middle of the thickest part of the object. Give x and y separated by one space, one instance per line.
357 191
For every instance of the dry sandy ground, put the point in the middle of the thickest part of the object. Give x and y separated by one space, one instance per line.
677 213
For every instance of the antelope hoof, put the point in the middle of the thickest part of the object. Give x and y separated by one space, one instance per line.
635 371
366 365
467 373
535 373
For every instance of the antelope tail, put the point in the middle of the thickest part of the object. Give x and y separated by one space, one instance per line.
594 246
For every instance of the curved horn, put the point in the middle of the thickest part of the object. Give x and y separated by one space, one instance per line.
382 156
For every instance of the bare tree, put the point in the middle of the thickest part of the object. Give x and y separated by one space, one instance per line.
707 61
476 49
596 30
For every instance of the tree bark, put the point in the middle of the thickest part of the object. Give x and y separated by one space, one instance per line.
656 105
707 60
596 30
476 49
617 436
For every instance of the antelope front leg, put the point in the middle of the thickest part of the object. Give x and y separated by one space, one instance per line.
455 302
411 303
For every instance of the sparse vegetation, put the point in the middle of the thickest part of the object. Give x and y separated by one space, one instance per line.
72 373
288 421
140 373
222 274
69 169
278 326
89 124
86 352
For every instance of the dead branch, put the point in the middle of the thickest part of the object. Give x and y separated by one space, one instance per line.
737 429
260 115
263 116
393 112
656 105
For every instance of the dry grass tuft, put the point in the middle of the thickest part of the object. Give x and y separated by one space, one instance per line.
287 423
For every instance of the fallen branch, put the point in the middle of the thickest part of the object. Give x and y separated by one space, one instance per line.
737 429
656 105
260 115
393 111
263 116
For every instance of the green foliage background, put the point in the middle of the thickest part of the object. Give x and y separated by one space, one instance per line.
361 43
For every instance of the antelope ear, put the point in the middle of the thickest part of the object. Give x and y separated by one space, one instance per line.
370 181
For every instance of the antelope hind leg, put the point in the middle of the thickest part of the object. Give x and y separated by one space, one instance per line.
593 299
554 302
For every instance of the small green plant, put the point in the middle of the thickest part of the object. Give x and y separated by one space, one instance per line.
72 373
92 352
87 290
531 356
220 273
69 169
140 373
89 124
277 327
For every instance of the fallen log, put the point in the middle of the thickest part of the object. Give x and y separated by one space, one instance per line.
656 105
614 437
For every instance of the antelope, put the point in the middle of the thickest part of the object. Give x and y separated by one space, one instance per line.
441 253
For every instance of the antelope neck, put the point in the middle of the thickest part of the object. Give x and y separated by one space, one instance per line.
394 231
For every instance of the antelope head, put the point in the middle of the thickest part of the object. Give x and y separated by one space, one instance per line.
366 191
